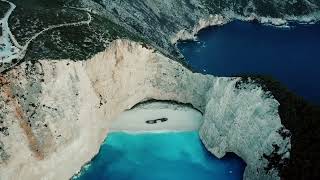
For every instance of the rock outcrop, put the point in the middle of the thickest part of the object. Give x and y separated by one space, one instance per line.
244 120
155 22
56 113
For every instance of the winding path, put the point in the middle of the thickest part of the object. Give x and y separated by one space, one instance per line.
12 49
10 46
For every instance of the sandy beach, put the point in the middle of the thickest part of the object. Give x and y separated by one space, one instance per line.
158 117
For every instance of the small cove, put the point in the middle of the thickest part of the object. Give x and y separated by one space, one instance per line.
167 148
291 55
159 156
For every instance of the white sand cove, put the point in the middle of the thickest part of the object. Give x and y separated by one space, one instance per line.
158 117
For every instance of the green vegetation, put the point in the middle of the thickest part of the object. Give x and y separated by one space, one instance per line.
266 8
36 4
262 7
4 7
77 42
25 22
68 42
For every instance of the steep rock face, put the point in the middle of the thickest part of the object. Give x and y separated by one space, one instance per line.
155 22
49 112
245 121
58 112
159 22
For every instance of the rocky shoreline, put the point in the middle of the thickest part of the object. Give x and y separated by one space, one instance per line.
53 106
303 121
156 24
115 80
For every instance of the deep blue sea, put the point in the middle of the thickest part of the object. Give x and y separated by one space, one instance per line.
290 55
160 156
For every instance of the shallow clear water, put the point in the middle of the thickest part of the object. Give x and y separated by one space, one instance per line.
290 55
159 156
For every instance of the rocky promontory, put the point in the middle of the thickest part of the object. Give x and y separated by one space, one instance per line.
80 63
56 109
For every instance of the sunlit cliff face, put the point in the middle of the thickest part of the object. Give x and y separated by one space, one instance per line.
74 103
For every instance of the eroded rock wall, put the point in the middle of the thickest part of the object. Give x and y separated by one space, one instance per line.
244 120
50 112
57 113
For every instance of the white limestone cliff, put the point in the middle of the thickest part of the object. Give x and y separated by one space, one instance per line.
77 101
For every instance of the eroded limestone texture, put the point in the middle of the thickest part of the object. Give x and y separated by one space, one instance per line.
58 112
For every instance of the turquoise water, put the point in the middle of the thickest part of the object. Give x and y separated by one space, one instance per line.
160 156
290 55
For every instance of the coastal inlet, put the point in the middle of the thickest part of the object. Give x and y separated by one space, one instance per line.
157 141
